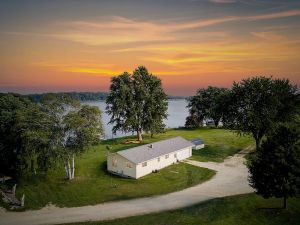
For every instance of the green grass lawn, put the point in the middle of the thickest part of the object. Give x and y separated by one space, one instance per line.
248 209
92 184
219 143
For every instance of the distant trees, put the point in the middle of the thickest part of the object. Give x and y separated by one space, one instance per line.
275 166
36 136
82 96
206 104
137 102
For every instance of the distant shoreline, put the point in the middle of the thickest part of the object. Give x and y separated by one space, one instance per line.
88 96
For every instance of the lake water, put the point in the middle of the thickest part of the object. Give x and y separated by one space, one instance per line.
177 112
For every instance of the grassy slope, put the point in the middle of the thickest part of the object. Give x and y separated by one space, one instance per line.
247 209
94 185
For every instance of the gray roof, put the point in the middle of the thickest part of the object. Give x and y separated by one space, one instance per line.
197 141
145 152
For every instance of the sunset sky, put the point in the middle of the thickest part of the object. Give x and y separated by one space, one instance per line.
77 45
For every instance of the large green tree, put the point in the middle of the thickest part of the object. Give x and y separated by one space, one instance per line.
206 104
257 104
24 135
34 130
73 128
137 103
275 166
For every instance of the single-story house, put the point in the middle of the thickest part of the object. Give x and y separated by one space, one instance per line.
145 159
198 143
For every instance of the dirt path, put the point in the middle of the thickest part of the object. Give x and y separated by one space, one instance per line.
231 179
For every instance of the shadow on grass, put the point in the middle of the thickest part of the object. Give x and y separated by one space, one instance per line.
103 169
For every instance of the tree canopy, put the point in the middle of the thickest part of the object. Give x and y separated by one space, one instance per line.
137 102
73 127
258 104
275 166
206 104
38 135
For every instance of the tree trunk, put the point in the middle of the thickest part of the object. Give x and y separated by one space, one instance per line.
73 166
284 202
32 166
257 142
216 123
139 134
66 169
69 170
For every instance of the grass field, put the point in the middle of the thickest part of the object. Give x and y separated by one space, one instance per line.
219 143
247 209
92 184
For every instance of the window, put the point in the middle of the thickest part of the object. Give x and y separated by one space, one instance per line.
114 162
129 165
167 156
158 159
175 155
144 164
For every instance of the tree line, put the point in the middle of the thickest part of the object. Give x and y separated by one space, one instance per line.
86 96
82 96
254 106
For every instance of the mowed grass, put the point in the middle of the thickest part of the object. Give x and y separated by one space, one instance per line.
93 185
219 143
248 209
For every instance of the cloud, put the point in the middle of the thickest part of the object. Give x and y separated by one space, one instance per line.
119 30
277 15
223 1
269 36
124 31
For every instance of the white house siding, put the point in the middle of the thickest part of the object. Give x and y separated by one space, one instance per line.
121 167
184 153
154 164
198 147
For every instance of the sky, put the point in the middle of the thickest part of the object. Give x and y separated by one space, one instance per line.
72 45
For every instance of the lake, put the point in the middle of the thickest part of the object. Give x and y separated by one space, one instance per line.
177 112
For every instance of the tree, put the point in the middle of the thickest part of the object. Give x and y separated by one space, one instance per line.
275 166
20 120
33 126
193 121
73 128
137 103
207 103
257 104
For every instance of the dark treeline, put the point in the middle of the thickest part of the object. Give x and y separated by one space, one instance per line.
82 96
87 96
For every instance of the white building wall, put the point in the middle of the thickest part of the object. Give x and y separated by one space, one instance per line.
120 167
198 147
154 164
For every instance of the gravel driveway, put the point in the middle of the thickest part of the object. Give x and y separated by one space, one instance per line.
230 179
